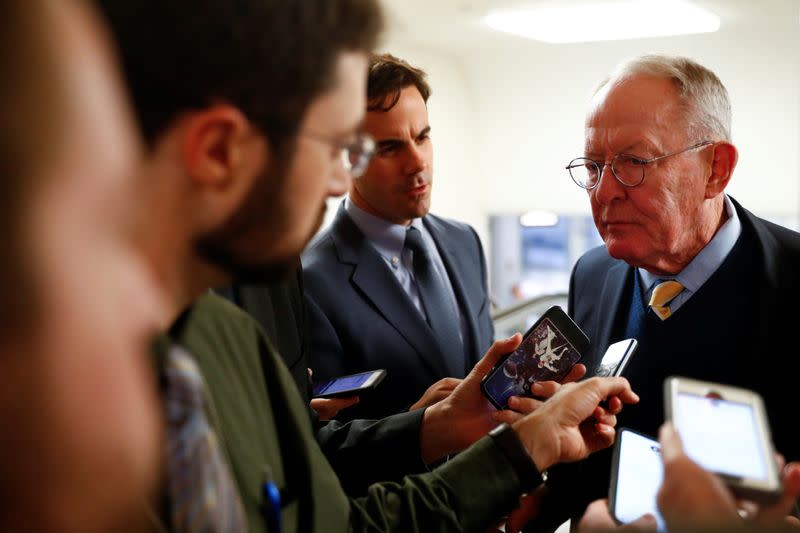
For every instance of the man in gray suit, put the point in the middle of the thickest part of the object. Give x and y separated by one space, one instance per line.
390 285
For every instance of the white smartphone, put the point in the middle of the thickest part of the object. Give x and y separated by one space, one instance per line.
725 430
351 385
616 358
636 474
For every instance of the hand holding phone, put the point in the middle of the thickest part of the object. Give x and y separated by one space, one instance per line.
328 408
725 430
549 349
351 385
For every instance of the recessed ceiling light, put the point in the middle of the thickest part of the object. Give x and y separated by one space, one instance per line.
605 21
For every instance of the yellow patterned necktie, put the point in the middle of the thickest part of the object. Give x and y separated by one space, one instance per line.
663 294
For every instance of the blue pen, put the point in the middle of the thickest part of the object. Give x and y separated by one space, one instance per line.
272 504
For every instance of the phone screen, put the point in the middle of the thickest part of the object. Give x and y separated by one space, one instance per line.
639 471
344 383
545 354
612 358
721 435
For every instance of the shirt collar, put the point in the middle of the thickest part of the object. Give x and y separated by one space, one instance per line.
387 237
710 258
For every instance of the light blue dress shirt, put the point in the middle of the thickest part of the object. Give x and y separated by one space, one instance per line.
703 266
388 240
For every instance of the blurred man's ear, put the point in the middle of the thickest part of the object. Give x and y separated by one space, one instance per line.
223 154
724 161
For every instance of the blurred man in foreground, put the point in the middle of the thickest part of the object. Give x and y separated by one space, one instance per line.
80 447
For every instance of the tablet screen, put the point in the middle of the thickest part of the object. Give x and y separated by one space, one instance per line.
639 474
720 435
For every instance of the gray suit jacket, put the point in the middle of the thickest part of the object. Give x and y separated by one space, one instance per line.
361 319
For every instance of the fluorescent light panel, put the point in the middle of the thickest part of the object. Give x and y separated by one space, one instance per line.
605 21
538 219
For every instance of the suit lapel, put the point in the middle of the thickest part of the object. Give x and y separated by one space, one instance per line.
377 284
771 294
609 305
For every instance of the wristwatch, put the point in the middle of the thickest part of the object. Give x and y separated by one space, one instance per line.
507 440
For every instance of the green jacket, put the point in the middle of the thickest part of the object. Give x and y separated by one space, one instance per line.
265 433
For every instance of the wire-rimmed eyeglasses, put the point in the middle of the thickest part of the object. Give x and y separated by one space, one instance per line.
627 169
355 154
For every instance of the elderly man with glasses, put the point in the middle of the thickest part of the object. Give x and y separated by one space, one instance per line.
707 288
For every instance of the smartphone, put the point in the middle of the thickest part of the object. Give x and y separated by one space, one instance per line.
549 349
616 358
636 474
351 385
725 430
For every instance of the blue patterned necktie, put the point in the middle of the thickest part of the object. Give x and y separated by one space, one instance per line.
202 493
442 317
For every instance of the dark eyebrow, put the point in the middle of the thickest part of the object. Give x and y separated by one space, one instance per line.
387 144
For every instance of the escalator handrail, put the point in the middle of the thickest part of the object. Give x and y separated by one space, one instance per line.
525 304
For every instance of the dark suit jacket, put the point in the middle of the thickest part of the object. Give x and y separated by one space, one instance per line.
358 449
599 297
280 310
361 319
768 362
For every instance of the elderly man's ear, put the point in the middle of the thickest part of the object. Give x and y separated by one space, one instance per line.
724 161
223 154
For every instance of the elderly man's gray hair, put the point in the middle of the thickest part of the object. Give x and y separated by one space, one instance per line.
703 96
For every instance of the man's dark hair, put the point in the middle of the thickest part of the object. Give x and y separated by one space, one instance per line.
269 58
388 75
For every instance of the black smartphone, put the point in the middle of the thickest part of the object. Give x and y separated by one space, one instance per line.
351 385
636 474
725 430
550 348
616 358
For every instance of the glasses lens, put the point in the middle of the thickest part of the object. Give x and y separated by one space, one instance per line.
359 154
584 172
347 162
628 169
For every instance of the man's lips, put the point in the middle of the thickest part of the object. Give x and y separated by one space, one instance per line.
617 223
420 189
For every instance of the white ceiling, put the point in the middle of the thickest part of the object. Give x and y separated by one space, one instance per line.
456 26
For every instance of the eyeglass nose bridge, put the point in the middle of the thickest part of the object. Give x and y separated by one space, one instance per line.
601 168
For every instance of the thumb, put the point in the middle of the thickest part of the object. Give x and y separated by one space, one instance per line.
495 353
671 447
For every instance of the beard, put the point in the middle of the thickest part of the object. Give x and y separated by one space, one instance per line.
262 217
243 269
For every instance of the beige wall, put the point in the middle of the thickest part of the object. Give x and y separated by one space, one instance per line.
507 114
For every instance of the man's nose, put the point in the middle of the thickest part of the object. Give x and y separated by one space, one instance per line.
415 160
608 188
339 182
